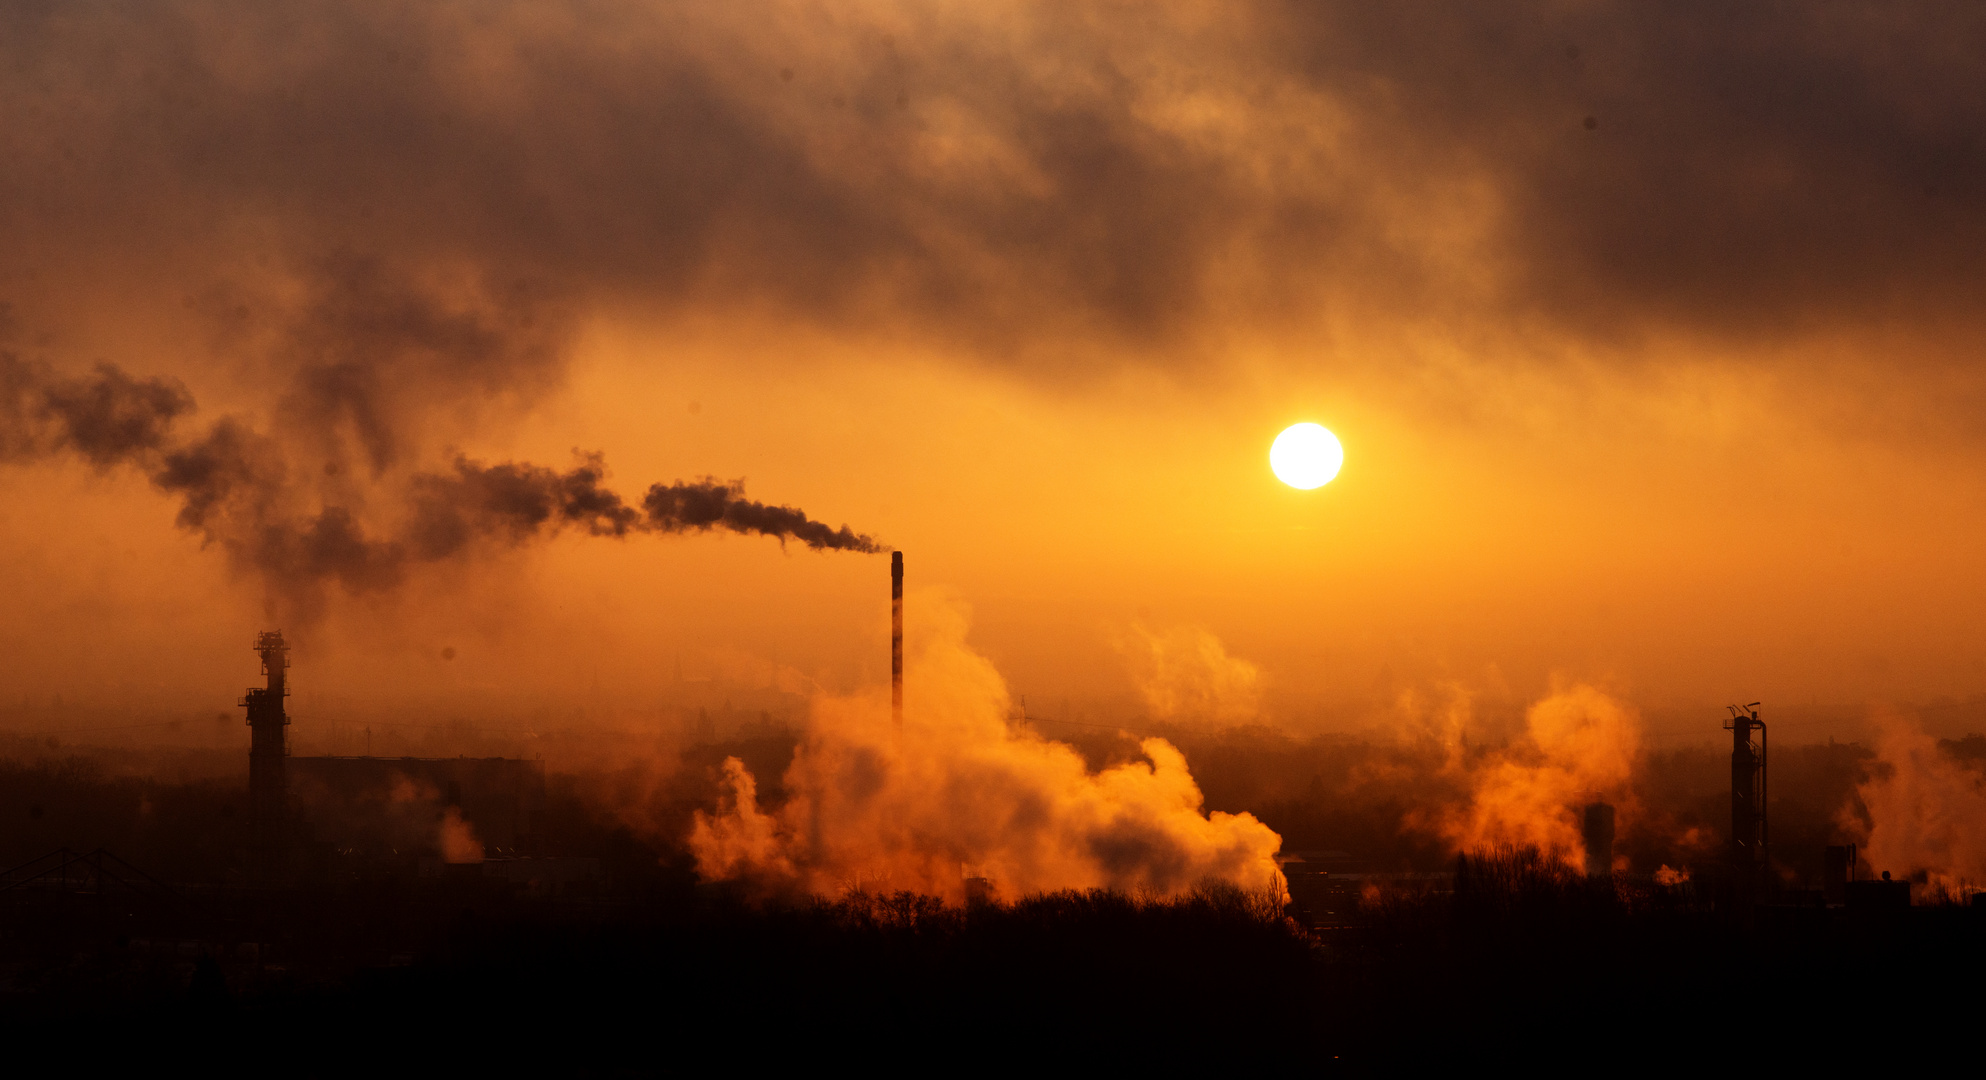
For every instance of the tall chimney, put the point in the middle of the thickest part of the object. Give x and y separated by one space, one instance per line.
1749 837
268 723
896 637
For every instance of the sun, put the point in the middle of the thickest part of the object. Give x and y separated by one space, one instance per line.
1306 456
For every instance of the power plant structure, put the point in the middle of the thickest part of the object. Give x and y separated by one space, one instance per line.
363 799
384 805
1837 870
364 806
1750 836
367 804
269 750
896 637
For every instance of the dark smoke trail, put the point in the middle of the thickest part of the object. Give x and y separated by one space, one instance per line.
106 419
236 490
712 504
513 501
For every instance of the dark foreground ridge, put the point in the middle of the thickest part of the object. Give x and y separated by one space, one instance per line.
1514 958
139 920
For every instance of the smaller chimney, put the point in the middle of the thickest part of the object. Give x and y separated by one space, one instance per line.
268 788
896 637
1838 869
1598 832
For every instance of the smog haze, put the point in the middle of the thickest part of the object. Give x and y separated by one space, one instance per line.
1650 334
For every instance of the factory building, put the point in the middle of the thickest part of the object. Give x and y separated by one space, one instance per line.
390 805
378 807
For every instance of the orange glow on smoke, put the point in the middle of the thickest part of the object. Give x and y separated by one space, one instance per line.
1579 746
962 793
458 840
1925 811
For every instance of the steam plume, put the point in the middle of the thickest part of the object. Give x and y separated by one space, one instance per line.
1579 744
961 794
1186 671
457 839
1925 811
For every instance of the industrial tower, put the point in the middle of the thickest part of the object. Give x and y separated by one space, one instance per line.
896 637
268 746
1750 837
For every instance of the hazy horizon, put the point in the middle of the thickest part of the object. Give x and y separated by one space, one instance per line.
1653 352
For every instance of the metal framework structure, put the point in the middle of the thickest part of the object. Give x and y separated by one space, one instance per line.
268 724
1751 836
71 873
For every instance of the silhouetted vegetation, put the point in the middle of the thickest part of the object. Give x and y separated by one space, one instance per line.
1515 957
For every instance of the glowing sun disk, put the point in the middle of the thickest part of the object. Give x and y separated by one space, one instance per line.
1306 456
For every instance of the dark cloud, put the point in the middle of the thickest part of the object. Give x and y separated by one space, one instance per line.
392 214
375 346
1738 168
1005 177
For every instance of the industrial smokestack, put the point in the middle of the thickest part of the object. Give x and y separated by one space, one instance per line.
1598 833
1749 835
896 637
268 724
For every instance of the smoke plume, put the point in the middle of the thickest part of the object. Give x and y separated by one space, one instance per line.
237 490
457 840
106 419
1925 811
709 504
960 794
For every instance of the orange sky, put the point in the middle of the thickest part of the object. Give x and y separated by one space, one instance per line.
1680 401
